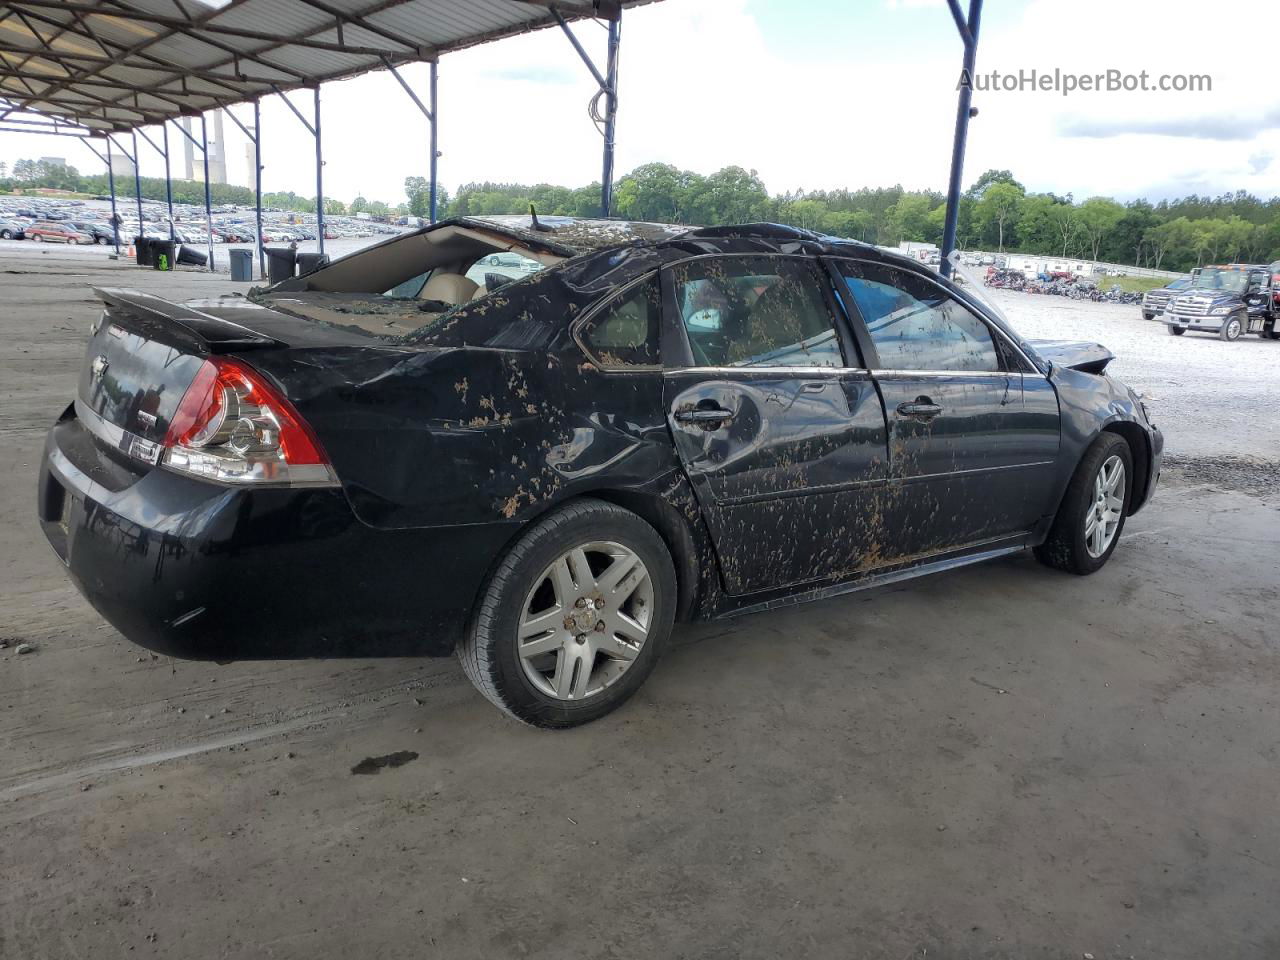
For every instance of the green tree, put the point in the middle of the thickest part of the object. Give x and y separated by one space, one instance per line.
1098 216
998 208
418 190
991 177
654 191
1171 238
908 219
359 205
1066 221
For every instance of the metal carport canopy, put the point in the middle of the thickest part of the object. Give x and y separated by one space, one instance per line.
118 64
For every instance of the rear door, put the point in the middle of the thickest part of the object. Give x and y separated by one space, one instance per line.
776 421
973 427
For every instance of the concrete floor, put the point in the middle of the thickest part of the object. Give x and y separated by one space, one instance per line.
1002 761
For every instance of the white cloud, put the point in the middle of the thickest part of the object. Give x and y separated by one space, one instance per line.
702 87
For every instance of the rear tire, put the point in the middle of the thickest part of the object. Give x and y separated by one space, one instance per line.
1176 331
528 648
1074 544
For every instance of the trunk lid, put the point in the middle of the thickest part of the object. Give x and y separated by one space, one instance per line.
144 352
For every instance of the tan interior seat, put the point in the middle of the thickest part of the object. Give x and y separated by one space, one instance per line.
448 288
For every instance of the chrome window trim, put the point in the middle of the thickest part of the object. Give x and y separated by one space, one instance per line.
795 371
954 373
577 326
812 259
986 321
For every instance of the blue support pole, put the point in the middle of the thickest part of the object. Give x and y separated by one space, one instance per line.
137 181
257 184
611 113
435 152
208 205
111 182
969 34
168 182
319 176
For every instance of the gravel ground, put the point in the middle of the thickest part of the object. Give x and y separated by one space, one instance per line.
1211 399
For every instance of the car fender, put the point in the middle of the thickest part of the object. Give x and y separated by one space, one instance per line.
1088 405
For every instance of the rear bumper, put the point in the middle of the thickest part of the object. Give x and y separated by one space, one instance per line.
210 572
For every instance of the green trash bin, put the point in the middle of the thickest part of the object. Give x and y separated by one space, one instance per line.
163 253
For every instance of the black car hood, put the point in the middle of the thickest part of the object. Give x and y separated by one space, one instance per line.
1076 354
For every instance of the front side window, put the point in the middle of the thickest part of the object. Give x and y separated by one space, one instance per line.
625 333
755 312
915 324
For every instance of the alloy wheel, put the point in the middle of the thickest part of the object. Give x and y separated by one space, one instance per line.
586 620
1102 520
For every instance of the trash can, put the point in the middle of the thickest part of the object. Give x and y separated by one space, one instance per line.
241 265
280 265
308 262
163 252
191 256
142 249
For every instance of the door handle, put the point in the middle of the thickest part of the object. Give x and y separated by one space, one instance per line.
704 415
812 387
921 409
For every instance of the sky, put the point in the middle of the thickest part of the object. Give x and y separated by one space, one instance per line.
812 95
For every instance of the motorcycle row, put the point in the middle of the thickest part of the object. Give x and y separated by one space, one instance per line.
1074 288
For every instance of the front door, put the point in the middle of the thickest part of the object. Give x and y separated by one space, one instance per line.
778 426
971 451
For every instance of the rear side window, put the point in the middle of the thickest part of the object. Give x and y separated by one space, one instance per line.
916 325
625 332
756 312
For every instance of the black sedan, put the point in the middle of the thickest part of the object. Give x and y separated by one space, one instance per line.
101 232
404 452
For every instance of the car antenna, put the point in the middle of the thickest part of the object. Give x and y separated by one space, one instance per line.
540 227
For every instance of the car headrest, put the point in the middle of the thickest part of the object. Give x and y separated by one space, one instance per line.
448 287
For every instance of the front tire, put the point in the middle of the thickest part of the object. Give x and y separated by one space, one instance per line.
1232 327
1176 331
1093 510
38 238
1148 316
530 648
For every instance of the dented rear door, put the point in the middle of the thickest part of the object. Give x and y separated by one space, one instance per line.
780 431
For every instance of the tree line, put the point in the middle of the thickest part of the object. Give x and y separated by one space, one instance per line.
995 213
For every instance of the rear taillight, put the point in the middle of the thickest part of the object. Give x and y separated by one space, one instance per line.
234 427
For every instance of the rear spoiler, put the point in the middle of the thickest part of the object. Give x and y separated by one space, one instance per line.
194 330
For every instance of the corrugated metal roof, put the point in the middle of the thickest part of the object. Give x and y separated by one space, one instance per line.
118 64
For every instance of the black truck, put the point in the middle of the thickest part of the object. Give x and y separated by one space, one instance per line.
1229 300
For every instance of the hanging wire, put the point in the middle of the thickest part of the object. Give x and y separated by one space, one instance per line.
593 105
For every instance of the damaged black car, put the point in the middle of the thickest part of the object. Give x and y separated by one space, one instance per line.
541 442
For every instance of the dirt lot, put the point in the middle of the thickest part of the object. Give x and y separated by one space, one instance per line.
998 762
